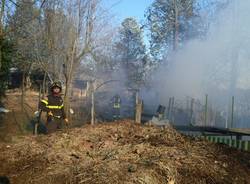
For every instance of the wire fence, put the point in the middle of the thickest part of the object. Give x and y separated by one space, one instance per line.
194 112
233 112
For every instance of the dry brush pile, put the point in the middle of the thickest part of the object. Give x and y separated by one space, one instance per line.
121 152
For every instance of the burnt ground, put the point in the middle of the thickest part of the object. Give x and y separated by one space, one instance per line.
15 122
121 152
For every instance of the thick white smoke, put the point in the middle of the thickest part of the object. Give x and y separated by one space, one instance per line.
218 63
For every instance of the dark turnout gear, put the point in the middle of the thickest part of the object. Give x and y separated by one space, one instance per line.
53 105
161 111
54 124
116 107
117 102
4 180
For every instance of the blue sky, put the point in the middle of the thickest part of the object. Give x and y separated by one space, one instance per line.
128 8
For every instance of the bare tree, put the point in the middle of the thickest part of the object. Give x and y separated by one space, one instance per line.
71 38
1 27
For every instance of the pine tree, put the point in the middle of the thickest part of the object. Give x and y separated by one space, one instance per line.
24 28
132 52
167 21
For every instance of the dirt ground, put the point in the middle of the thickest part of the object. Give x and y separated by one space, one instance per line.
14 122
121 152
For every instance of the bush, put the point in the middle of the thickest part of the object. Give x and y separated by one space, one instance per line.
6 50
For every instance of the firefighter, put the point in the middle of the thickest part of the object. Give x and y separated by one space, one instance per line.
160 112
53 105
116 107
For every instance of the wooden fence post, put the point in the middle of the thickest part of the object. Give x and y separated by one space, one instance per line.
138 111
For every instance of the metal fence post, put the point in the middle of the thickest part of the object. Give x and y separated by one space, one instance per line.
232 112
191 111
169 108
172 110
206 108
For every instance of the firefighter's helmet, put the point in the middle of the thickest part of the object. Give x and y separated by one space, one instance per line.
56 84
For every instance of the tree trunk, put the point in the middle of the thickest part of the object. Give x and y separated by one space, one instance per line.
138 111
66 97
1 30
2 15
68 89
23 92
69 75
27 82
176 26
44 85
92 107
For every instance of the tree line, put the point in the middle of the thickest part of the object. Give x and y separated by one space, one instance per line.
65 38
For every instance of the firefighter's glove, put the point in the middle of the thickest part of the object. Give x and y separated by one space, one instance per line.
50 113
